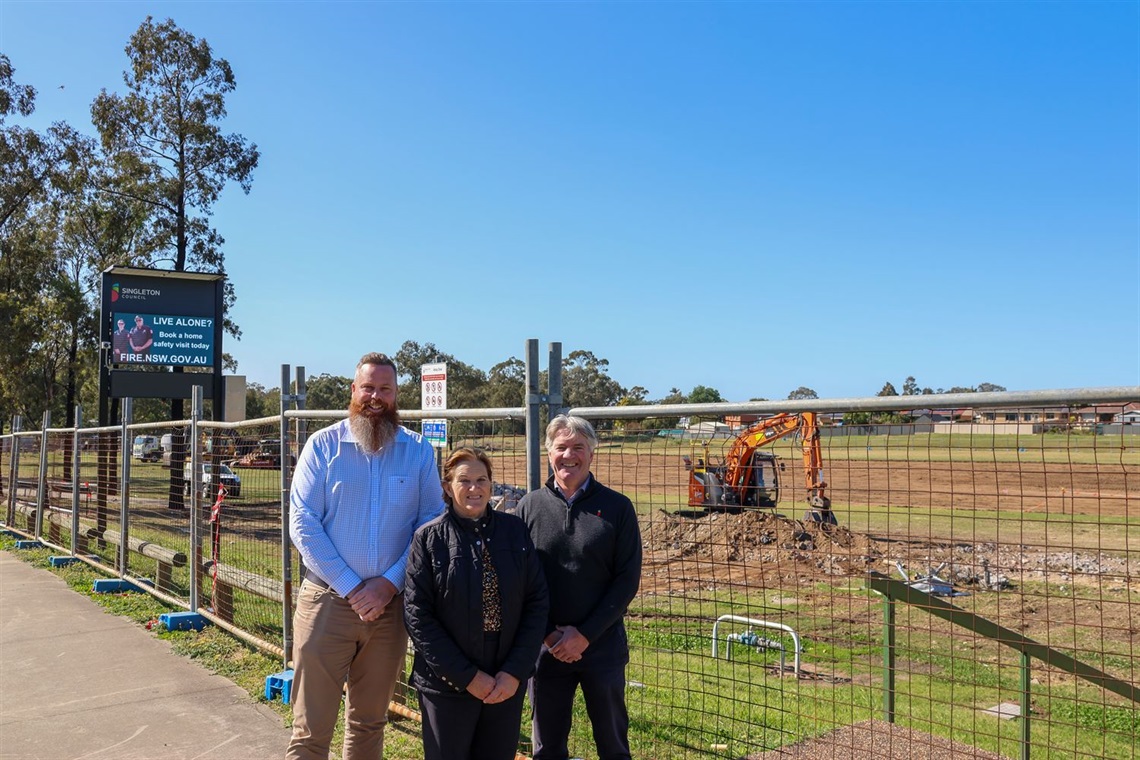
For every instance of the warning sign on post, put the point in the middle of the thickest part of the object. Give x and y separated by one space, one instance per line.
433 387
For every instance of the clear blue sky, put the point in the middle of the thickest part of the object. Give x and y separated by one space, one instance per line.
748 196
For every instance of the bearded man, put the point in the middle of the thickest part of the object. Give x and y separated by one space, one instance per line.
361 488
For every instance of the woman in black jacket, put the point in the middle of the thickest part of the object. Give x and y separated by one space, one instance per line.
475 607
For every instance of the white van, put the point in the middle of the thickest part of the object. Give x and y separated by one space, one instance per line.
146 448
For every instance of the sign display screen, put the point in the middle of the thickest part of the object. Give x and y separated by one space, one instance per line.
162 319
162 339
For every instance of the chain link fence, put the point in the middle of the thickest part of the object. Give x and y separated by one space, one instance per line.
977 596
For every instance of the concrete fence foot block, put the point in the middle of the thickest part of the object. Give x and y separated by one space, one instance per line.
183 621
279 684
112 586
62 561
29 545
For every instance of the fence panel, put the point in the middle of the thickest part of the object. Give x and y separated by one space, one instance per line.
241 508
1035 532
24 478
755 630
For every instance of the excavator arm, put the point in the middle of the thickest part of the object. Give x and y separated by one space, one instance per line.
739 460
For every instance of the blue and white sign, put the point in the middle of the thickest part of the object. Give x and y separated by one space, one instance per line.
435 432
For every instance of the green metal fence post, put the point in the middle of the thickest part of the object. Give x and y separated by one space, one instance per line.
888 659
1024 704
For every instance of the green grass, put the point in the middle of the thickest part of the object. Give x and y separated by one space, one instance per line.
691 703
683 703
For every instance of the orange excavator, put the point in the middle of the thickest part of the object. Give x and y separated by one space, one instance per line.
749 478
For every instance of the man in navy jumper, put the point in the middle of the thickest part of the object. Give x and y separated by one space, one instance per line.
590 547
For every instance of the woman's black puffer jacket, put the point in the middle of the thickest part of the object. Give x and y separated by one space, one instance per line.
443 599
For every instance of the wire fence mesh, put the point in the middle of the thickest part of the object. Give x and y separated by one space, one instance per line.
1029 527
1003 546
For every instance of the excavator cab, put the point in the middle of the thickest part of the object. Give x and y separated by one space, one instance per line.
748 476
761 489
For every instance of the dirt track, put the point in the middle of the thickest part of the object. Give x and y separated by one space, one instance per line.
1061 487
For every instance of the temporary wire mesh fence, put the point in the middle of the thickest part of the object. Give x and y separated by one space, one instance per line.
1029 529
979 595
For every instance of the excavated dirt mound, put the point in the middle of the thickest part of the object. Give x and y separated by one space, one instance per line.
719 546
752 536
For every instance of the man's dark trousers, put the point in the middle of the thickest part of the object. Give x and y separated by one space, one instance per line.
601 674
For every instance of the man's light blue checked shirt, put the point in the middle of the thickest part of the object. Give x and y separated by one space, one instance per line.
352 515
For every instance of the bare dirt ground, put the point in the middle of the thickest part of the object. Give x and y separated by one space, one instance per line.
877 739
1060 487
785 552
793 550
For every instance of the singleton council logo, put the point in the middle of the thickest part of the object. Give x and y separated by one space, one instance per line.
115 292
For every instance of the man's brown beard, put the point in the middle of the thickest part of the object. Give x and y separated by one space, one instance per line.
372 428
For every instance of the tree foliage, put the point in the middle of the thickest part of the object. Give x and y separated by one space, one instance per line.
48 336
635 396
262 402
466 385
328 392
586 381
164 139
506 384
702 394
801 393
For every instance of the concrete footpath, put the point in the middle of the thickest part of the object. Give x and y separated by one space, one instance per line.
77 683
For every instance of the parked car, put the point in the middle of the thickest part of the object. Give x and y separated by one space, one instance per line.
207 483
146 448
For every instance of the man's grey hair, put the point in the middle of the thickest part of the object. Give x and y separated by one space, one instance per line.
575 425
377 359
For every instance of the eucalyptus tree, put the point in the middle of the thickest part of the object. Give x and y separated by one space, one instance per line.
28 234
466 384
166 144
586 381
327 391
506 384
24 159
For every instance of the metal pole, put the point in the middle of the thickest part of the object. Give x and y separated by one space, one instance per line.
41 486
75 480
195 484
125 486
888 659
532 401
13 471
300 423
554 404
286 552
